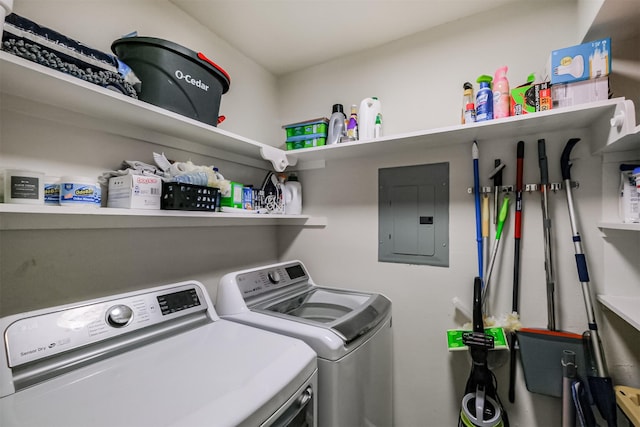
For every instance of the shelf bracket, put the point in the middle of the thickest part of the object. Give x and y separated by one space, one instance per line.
277 157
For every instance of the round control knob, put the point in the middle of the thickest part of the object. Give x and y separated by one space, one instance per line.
274 276
119 316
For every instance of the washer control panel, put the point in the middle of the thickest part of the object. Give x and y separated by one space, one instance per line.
49 332
257 282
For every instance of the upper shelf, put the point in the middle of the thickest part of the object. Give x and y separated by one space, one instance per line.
112 112
22 82
596 116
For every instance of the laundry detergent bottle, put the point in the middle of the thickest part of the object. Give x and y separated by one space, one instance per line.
484 99
336 125
292 196
369 110
500 93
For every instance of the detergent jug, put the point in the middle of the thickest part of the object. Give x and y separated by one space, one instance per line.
370 108
336 125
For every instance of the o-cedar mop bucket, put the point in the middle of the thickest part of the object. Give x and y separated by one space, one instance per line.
174 77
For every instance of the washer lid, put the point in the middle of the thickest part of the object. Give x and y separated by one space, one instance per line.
222 373
350 314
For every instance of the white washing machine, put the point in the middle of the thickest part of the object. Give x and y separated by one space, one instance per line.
349 330
157 357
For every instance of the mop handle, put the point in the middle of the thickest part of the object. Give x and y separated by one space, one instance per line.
476 185
496 175
516 265
581 261
518 224
504 210
546 228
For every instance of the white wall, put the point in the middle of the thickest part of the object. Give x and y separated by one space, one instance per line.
419 81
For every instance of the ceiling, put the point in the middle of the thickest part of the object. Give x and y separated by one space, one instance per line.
289 35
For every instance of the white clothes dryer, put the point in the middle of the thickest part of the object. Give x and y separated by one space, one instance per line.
350 331
156 357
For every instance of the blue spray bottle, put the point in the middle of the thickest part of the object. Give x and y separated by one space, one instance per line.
484 99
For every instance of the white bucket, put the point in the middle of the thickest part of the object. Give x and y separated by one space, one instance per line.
369 109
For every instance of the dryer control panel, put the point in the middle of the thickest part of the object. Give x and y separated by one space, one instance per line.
258 282
45 333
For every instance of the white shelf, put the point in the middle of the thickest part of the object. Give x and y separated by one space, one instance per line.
594 116
25 84
628 308
618 226
38 217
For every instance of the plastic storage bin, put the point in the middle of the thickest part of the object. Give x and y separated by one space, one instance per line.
174 77
188 197
311 133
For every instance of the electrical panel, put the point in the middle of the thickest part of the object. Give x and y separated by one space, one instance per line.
413 214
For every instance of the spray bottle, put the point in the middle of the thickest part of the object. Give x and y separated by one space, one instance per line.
501 93
484 99
336 124
352 127
467 98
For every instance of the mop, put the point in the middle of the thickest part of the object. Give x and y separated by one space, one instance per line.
476 189
600 386
481 406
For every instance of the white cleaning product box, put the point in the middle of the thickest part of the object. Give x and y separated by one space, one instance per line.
134 192
581 62
569 94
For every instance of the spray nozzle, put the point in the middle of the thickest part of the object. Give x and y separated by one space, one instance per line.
485 80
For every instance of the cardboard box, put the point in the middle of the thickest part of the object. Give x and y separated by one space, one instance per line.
134 192
531 98
568 94
581 62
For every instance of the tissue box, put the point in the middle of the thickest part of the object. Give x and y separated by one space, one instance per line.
530 98
581 62
134 192
568 94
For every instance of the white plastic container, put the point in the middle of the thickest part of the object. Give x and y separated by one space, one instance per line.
79 191
292 196
369 110
23 187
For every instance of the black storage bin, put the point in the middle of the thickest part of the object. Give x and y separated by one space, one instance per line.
174 77
188 197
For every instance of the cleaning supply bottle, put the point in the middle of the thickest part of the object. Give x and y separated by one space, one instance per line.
470 113
292 196
484 99
336 124
352 127
501 93
369 110
467 98
377 131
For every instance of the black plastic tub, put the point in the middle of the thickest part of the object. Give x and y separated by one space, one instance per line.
174 77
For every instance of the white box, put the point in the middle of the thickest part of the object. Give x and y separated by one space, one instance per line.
569 94
134 192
